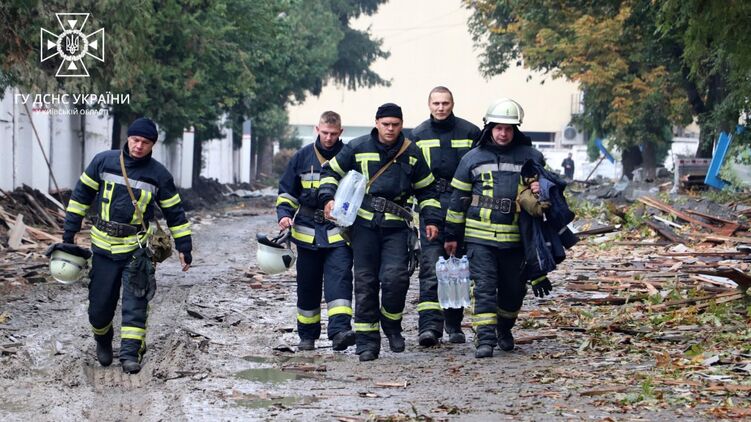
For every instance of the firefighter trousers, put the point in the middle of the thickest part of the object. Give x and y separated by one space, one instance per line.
498 290
431 316
104 292
380 258
330 269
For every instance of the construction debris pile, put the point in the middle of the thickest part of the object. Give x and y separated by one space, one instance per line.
657 296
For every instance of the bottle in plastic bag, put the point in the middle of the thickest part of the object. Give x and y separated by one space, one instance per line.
463 286
453 299
348 198
441 273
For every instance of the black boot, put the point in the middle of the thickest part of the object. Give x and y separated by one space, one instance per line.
396 342
484 351
457 337
427 339
104 348
131 366
368 355
306 344
505 340
342 340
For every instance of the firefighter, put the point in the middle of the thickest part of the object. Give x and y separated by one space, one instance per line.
484 212
443 139
396 170
117 233
324 258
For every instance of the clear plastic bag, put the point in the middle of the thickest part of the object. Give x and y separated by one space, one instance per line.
348 198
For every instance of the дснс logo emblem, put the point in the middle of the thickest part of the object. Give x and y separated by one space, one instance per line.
71 44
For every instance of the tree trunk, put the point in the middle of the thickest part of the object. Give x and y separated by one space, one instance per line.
116 127
197 157
649 161
265 158
253 157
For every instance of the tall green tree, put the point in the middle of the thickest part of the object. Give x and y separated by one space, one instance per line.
642 65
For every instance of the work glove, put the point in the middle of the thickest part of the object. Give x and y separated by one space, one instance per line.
139 275
188 257
541 286
69 237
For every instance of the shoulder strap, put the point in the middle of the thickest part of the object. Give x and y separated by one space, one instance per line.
321 159
385 167
130 192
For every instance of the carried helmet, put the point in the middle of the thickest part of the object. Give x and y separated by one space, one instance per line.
274 256
506 111
67 262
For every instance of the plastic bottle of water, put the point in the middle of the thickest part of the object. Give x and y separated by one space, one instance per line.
441 273
348 198
464 281
453 282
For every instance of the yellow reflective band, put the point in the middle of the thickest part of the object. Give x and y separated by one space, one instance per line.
310 184
340 310
367 156
455 217
412 161
461 143
171 202
117 245
367 326
484 319
537 280
329 181
428 143
77 208
109 187
303 237
394 317
500 228
333 238
143 200
134 333
389 216
507 314
181 230
101 331
485 235
424 182
485 215
487 183
458 184
309 319
430 203
88 181
336 167
284 200
428 306
365 214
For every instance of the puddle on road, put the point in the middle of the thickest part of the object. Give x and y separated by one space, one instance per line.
252 402
269 375
317 360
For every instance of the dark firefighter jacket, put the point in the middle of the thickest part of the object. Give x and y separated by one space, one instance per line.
489 171
102 183
546 238
408 176
298 198
443 144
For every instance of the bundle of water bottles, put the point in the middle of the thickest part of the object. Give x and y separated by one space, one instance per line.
453 282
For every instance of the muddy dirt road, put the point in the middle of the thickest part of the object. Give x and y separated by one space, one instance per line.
221 347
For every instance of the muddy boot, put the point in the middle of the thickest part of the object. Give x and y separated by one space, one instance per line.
342 340
484 351
104 348
306 344
368 355
457 338
131 367
396 342
427 339
505 340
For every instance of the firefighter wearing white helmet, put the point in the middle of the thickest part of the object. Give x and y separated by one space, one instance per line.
484 215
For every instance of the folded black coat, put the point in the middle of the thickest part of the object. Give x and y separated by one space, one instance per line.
546 239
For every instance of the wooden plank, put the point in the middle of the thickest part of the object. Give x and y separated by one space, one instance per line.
16 232
664 231
43 214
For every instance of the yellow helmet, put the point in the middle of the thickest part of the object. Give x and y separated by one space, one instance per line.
67 262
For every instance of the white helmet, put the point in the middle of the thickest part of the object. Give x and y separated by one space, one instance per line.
67 262
506 111
272 256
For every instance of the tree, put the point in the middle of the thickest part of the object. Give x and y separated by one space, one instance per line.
642 65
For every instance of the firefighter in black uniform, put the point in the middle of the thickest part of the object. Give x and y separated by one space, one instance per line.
117 233
484 211
443 139
380 232
324 258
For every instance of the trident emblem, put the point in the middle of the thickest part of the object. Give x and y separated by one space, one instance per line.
72 45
